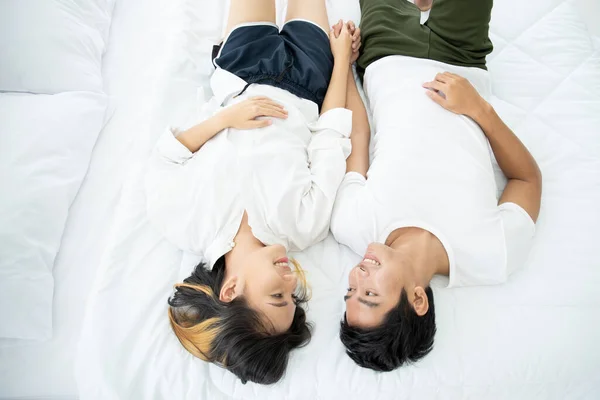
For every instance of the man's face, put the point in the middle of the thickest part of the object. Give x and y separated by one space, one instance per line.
374 287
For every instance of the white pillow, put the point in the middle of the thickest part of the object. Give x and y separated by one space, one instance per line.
46 143
53 46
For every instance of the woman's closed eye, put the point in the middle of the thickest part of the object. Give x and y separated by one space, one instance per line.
277 296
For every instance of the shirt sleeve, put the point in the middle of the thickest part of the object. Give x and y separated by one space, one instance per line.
298 186
327 153
519 230
177 182
351 215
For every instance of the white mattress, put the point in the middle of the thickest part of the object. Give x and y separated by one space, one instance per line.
131 66
534 337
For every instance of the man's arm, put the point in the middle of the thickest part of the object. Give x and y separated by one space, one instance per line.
361 133
524 176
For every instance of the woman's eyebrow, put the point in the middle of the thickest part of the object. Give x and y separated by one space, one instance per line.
284 304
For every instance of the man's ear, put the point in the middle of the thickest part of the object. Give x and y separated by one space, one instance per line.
421 302
228 290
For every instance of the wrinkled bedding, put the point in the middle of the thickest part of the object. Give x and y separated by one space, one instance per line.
534 337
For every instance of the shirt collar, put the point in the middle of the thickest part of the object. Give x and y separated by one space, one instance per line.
224 84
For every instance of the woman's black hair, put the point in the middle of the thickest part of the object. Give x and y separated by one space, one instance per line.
232 335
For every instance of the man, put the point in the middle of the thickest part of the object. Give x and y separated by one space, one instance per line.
427 204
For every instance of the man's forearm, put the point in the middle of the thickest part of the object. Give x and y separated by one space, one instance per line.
524 186
358 161
336 93
513 157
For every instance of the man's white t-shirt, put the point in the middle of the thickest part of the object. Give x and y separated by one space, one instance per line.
431 169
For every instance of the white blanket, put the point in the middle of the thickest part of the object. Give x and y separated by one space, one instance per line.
52 108
131 68
534 337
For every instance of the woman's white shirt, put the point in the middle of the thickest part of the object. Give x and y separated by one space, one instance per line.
285 176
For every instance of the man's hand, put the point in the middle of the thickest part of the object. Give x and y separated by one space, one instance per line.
356 38
244 115
524 187
356 41
456 94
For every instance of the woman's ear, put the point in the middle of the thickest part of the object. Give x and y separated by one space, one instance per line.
421 302
228 290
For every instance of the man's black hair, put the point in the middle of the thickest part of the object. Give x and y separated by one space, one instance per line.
403 337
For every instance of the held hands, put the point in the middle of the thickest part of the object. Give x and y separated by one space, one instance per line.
244 115
457 94
345 42
356 41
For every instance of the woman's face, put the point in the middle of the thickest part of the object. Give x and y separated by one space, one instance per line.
268 282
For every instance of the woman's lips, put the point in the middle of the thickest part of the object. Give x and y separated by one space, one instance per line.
283 263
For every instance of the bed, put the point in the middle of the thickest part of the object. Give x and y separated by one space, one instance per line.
44 369
535 337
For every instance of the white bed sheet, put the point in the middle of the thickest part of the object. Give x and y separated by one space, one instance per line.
535 337
132 66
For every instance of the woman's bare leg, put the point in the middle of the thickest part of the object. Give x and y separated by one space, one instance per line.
243 11
311 10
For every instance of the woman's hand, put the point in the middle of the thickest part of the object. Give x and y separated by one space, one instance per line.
341 44
244 115
356 38
455 94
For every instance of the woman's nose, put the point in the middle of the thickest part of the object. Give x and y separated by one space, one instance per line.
362 271
291 279
279 248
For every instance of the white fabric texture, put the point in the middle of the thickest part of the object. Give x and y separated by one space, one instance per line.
285 176
533 337
45 148
53 46
140 36
54 49
519 231
431 169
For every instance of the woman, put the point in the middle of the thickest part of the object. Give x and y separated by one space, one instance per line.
255 180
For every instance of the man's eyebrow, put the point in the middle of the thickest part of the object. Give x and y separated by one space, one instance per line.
365 302
284 304
368 303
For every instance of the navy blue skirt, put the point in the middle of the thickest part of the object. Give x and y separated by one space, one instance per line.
297 59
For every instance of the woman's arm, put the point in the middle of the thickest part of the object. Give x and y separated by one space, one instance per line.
341 47
240 116
336 94
195 137
361 132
